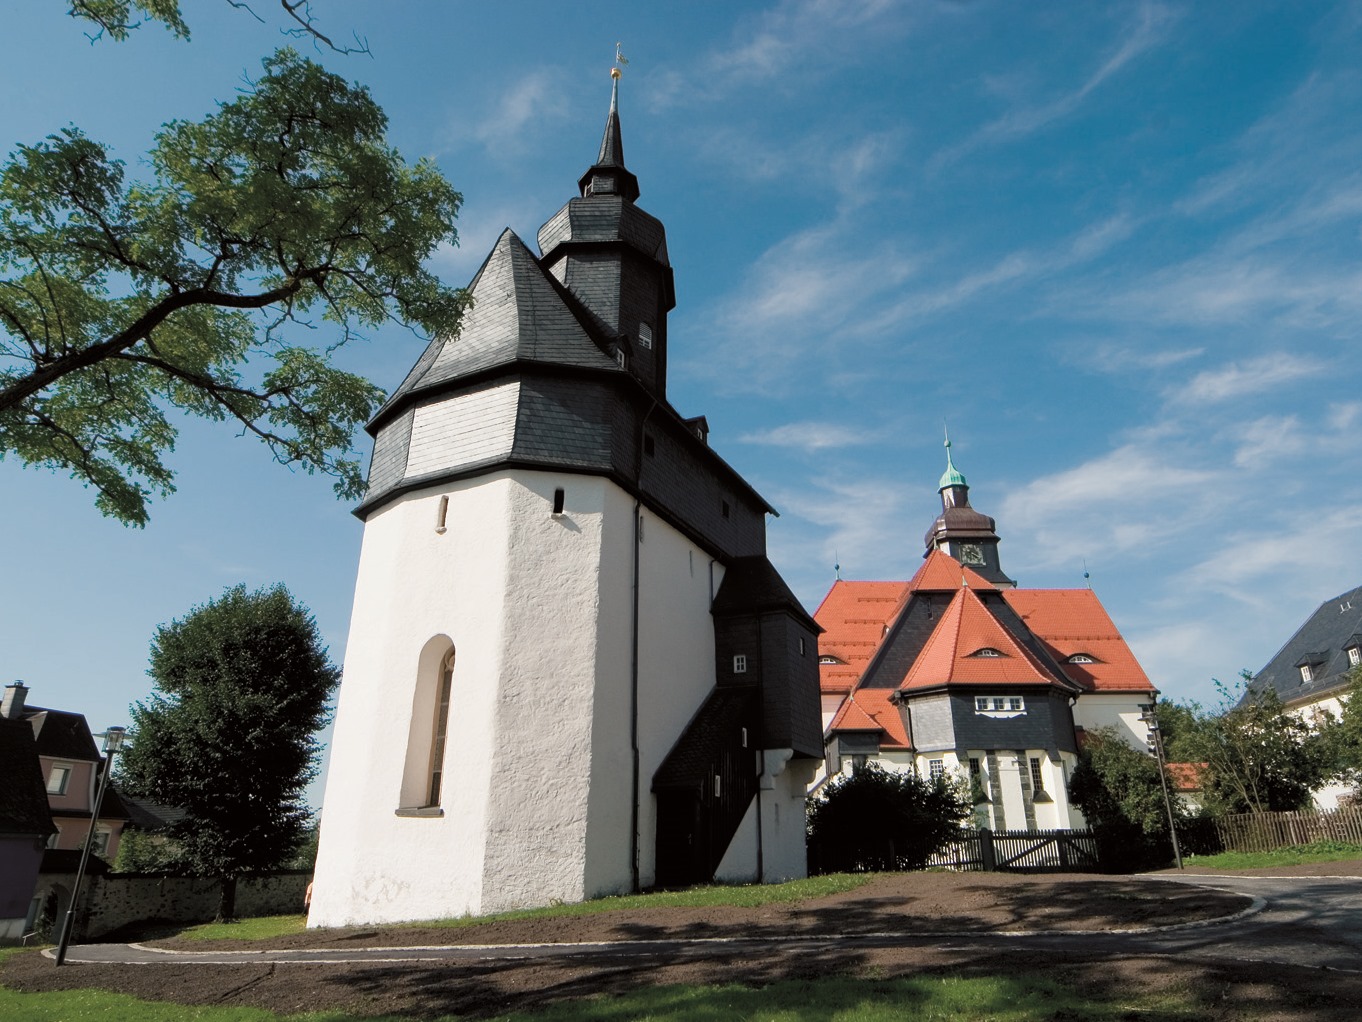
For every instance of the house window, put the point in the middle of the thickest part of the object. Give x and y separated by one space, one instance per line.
1015 704
999 703
1307 673
740 663
102 837
801 645
441 513
1081 658
1037 782
645 336
621 358
58 779
975 771
987 651
1354 656
427 733
559 501
981 704
936 768
53 838
828 660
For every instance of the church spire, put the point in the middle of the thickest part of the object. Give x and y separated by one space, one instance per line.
952 476
608 175
961 531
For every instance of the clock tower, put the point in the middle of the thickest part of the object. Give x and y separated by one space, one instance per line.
962 532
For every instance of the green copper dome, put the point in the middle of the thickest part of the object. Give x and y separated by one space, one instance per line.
952 476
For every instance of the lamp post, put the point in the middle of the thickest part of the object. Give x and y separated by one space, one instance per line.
113 741
1155 741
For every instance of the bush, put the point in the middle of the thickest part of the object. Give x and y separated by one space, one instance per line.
1119 791
877 819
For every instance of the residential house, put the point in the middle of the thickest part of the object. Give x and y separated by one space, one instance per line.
25 825
1310 673
959 671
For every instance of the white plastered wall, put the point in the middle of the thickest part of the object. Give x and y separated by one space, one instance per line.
1120 710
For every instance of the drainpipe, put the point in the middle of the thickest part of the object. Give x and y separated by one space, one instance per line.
634 872
761 704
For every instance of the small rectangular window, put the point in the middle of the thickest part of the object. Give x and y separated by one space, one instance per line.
718 786
936 768
621 358
981 704
645 336
740 663
974 769
1037 782
58 779
999 703
744 737
725 508
1015 703
649 445
1307 673
559 501
801 645
1354 656
441 514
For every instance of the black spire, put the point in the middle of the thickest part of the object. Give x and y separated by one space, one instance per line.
608 175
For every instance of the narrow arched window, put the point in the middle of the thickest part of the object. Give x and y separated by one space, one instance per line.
441 729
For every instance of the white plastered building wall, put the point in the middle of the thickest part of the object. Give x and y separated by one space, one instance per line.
536 799
1121 710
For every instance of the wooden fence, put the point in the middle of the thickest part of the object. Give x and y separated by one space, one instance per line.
1020 851
1262 832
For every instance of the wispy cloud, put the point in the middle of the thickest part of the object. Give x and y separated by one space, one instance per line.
810 436
1240 379
530 100
1148 31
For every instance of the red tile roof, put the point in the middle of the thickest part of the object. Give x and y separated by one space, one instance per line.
854 616
1073 621
942 571
949 657
869 709
1187 776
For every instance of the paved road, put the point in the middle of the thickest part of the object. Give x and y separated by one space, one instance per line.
1301 921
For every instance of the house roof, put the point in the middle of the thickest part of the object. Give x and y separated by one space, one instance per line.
854 616
1322 642
23 795
1073 622
970 646
752 585
871 709
940 571
689 764
61 734
1187 776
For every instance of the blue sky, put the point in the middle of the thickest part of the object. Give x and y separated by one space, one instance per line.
1116 247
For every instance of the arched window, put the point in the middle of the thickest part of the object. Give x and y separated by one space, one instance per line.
427 737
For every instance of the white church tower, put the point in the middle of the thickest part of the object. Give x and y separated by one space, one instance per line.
571 670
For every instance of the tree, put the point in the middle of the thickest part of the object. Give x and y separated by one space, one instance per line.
242 686
1259 757
882 819
1342 736
116 18
120 299
1119 791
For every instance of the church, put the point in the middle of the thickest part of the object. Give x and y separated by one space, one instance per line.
959 671
571 669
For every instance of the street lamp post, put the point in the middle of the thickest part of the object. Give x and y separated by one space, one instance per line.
1151 719
113 741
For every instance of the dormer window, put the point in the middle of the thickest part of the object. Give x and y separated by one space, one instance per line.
645 336
1307 673
1082 658
1354 656
986 651
1000 706
622 358
826 659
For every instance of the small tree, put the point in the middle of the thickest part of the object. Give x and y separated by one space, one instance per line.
243 684
879 819
1118 789
1259 757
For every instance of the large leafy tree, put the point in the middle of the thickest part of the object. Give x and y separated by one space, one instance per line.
881 819
126 302
1119 791
229 735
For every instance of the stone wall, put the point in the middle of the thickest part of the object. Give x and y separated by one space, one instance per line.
118 899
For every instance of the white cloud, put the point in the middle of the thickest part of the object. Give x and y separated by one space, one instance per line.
810 436
531 99
1241 379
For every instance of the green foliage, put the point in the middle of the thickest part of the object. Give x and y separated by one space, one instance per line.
1259 757
142 852
243 684
120 300
1119 791
878 819
1291 855
116 18
1342 737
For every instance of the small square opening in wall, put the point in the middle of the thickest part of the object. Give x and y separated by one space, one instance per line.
649 445
725 508
559 500
441 514
740 663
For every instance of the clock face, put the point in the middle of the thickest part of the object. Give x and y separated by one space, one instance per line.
970 553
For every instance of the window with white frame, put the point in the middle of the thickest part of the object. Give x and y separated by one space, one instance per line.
1000 705
645 336
936 768
102 838
740 663
1354 656
1307 673
1037 780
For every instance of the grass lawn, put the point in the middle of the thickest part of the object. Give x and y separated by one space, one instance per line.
1293 855
744 896
1017 998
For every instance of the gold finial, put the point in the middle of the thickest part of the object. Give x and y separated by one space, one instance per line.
621 61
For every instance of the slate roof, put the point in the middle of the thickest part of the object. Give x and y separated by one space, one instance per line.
23 793
1322 641
518 313
688 764
61 734
752 584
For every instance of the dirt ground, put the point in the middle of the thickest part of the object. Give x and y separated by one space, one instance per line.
907 903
